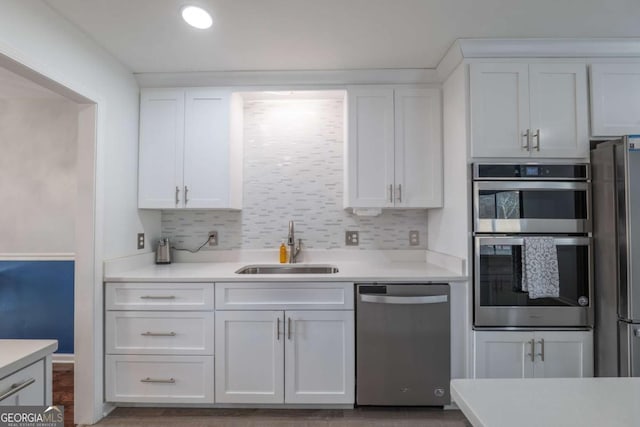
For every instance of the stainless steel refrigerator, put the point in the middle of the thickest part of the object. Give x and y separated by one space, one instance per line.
616 231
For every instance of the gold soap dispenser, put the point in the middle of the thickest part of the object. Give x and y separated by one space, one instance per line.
283 253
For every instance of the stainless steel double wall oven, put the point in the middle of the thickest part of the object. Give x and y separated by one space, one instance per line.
510 202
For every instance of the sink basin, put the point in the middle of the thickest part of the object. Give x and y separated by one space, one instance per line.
288 269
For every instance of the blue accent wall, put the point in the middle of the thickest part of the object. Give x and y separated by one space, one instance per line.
36 301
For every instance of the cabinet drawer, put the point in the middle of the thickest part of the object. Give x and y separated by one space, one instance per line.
284 296
159 379
30 381
143 332
159 296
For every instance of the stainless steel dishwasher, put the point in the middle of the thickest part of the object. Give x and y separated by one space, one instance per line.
403 344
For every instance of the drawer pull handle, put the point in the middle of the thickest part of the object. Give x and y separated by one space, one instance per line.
15 388
158 334
158 380
158 297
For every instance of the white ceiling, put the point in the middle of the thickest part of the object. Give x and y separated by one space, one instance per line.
149 36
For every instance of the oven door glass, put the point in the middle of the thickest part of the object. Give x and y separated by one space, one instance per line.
531 207
499 272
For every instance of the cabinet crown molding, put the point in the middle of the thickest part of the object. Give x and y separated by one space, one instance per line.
537 48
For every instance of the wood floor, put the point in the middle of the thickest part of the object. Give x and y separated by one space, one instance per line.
179 417
63 390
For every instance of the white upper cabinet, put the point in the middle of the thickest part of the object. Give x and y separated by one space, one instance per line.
161 148
418 148
187 156
394 149
615 99
370 148
499 109
529 110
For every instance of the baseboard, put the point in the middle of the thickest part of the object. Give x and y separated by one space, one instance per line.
63 358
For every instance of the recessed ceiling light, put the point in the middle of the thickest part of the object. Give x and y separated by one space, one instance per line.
196 17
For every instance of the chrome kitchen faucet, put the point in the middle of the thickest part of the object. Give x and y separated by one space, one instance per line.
291 242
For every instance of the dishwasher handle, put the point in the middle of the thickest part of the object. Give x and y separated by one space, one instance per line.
386 299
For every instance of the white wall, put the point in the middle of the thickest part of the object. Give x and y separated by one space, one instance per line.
448 227
38 138
34 35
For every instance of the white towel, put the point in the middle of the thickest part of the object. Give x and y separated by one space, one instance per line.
540 268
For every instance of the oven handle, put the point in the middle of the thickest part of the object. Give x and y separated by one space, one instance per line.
519 241
530 185
383 299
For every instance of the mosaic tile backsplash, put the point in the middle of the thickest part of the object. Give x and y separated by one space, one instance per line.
293 170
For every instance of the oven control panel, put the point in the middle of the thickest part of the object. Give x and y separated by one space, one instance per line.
559 172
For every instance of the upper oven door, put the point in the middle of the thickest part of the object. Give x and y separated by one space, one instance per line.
531 207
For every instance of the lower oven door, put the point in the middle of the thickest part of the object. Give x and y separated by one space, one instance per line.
499 302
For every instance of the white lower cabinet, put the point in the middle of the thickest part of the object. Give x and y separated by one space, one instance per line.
249 356
533 354
159 379
292 357
275 343
159 341
25 387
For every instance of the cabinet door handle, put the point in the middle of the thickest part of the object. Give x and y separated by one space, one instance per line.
177 195
158 380
289 328
278 329
532 343
15 388
390 193
537 137
158 334
541 354
400 193
186 195
158 297
527 139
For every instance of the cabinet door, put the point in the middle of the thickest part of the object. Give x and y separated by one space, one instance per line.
370 151
615 99
499 99
161 148
503 354
559 110
320 355
418 148
206 148
249 356
564 354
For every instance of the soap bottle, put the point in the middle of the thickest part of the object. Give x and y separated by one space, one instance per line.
283 253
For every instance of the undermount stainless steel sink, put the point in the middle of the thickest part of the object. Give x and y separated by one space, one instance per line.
288 269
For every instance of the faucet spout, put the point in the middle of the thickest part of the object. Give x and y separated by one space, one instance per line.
291 242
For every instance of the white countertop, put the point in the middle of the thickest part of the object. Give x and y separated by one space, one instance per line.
16 354
549 402
350 271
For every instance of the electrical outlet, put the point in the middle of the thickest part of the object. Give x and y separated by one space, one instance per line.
414 238
213 238
140 240
351 238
